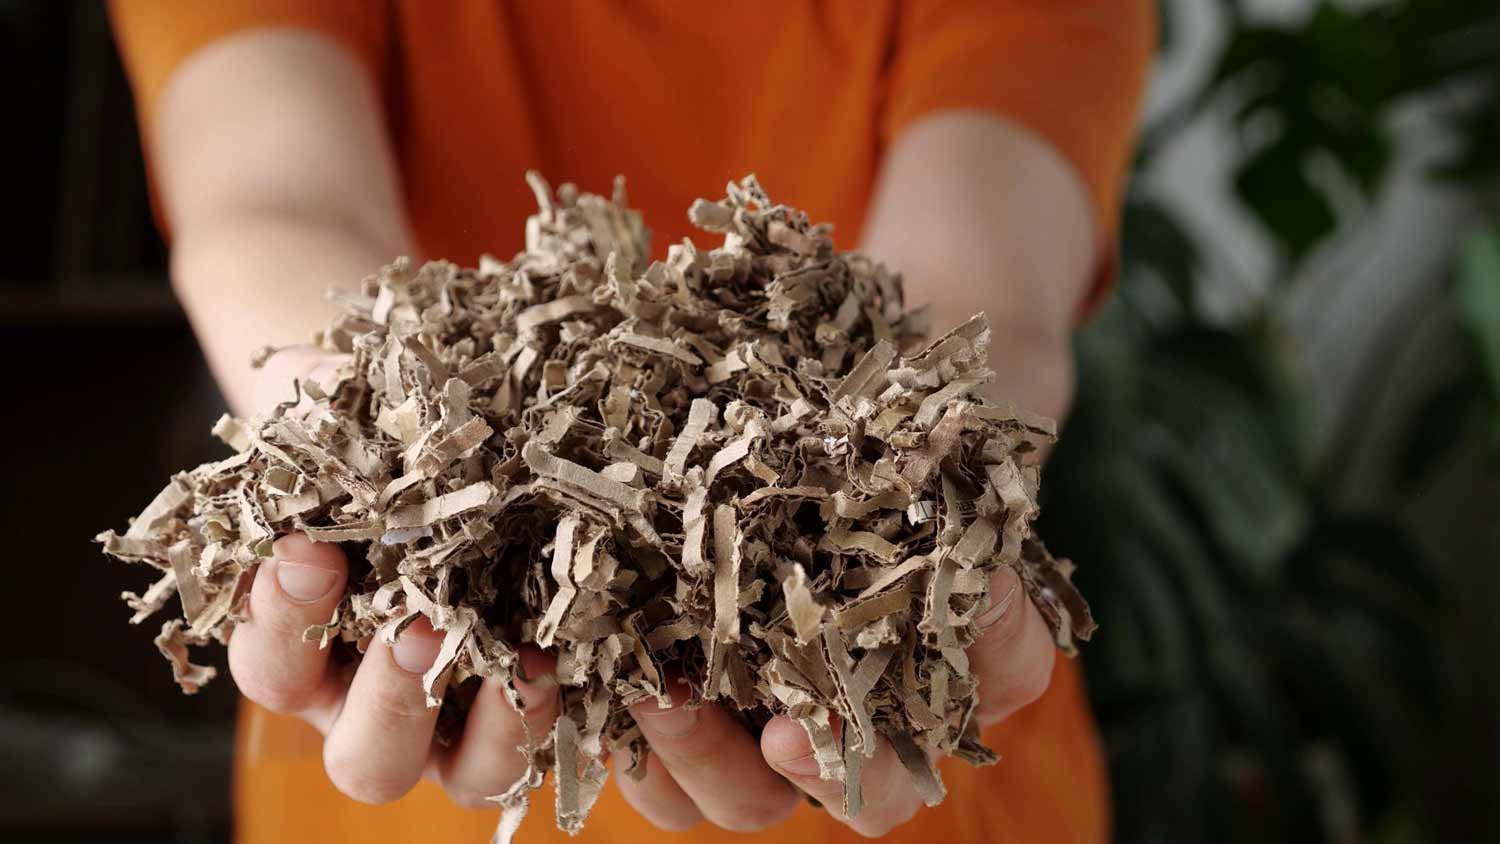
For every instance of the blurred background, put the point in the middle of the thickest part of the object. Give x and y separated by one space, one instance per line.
1281 479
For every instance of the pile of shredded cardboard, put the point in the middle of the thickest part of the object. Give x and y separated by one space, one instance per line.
718 466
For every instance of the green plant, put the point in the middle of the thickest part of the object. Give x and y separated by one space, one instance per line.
1268 667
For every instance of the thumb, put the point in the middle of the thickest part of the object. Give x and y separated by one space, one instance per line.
1014 654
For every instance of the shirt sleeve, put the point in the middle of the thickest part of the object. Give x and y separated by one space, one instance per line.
156 36
1072 71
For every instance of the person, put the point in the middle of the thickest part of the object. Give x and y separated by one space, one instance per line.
979 147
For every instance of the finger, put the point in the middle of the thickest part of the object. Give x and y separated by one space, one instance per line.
381 738
716 763
486 760
889 797
1014 655
657 796
297 587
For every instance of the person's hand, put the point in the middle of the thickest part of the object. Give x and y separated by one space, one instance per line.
705 766
377 727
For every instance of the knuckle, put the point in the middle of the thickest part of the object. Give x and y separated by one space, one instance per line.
287 624
758 815
693 755
701 749
396 707
268 688
673 821
358 781
829 793
650 799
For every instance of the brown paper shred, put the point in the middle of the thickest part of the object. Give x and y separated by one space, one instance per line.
719 466
977 544
182 559
842 539
856 682
617 450
231 432
726 575
815 721
659 345
557 309
701 414
562 564
869 376
153 599
547 465
579 778
888 576
853 616
172 643
436 678
805 611
346 532
164 506
442 507
854 764
923 774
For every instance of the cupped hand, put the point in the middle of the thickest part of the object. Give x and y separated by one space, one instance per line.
704 765
377 727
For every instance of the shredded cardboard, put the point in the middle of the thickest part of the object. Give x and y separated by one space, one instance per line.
719 466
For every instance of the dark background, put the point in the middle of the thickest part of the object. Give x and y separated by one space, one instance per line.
105 396
1281 480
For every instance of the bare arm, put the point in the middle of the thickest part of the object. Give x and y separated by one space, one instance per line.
979 216
278 182
983 216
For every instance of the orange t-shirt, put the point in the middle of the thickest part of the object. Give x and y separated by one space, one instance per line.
682 98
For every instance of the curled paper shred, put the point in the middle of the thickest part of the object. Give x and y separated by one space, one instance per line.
731 466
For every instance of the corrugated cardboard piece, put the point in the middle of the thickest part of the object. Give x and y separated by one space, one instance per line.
720 466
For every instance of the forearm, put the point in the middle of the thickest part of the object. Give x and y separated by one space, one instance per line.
255 278
981 216
279 182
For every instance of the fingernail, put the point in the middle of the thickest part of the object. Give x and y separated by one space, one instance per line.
667 723
801 766
304 583
1004 590
415 654
534 679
